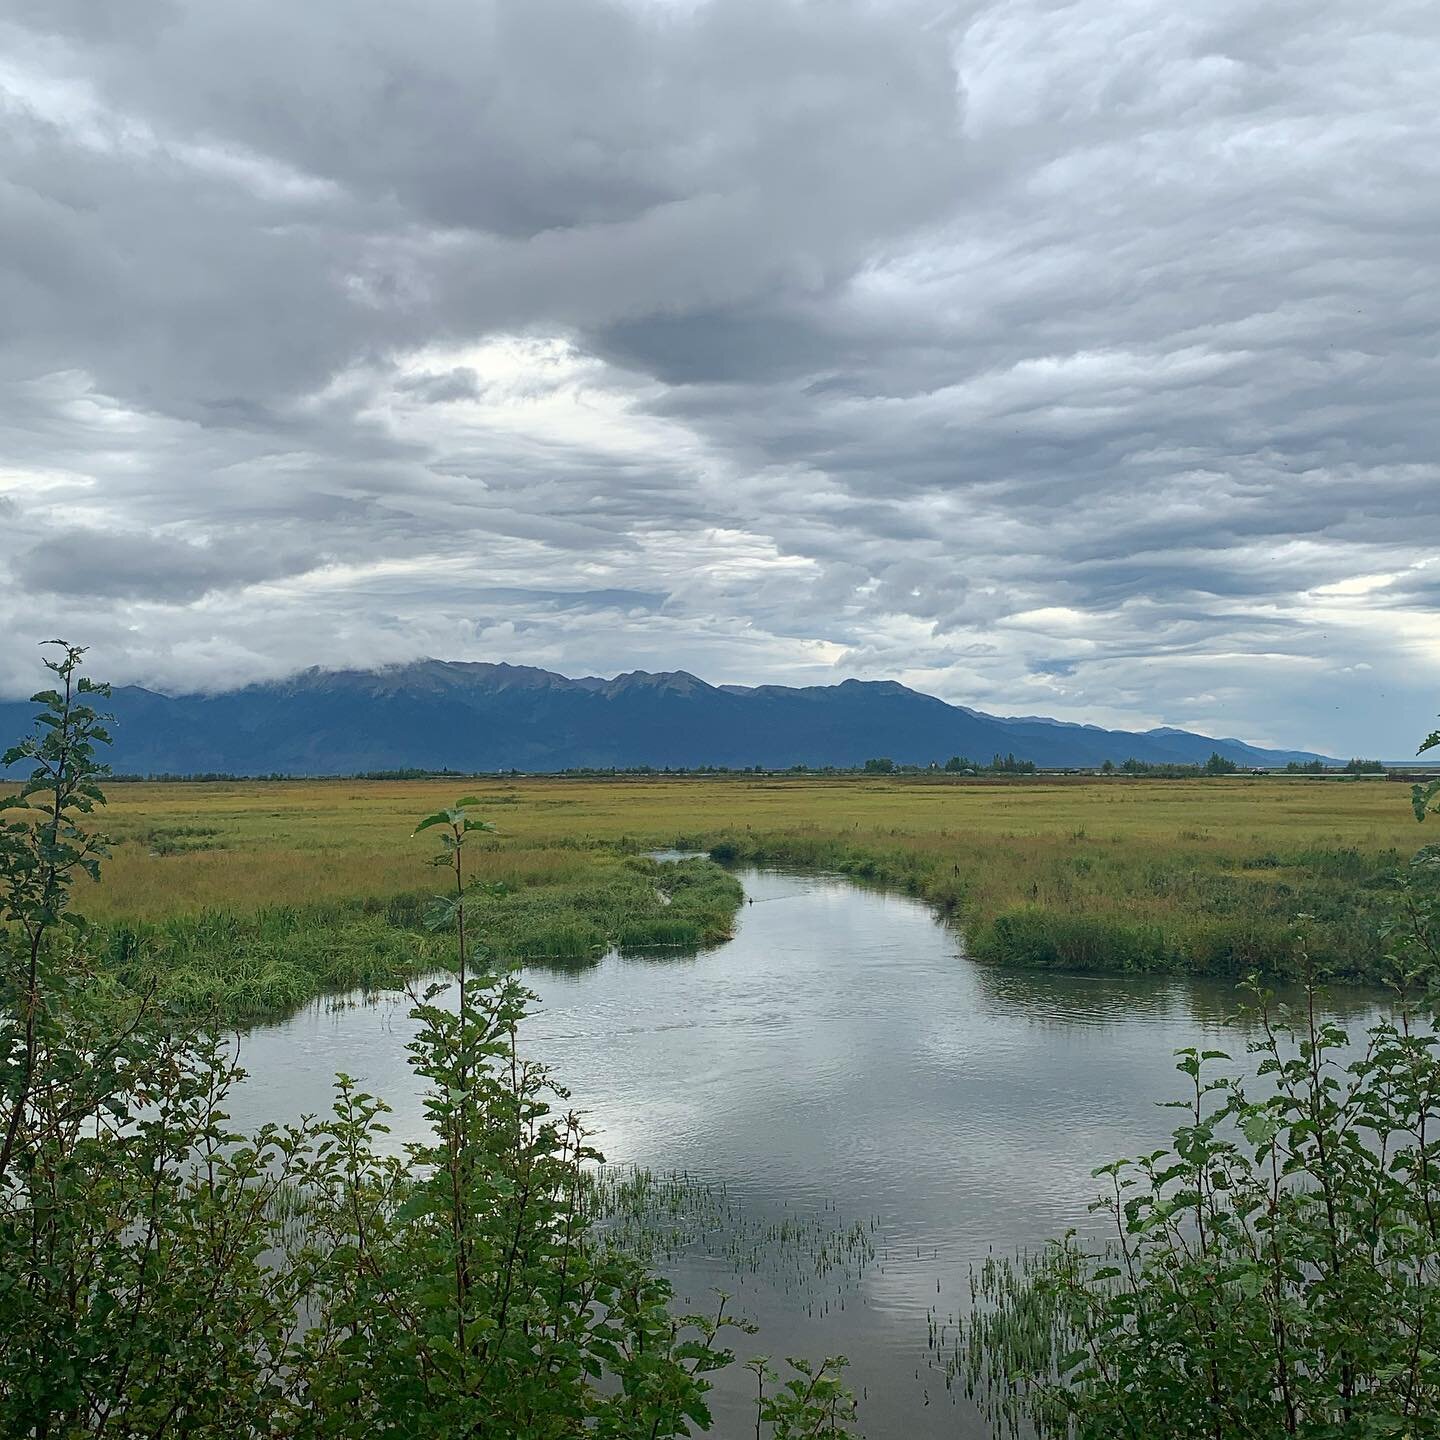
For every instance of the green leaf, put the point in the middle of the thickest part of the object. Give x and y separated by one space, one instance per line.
1259 1127
419 1204
1421 796
1251 1281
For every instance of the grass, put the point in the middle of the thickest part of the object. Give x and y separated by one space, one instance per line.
1083 905
1202 876
248 964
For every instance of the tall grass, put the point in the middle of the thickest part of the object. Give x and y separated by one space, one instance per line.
1080 905
240 965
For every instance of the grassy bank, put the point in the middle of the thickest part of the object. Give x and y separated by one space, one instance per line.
265 961
1094 906
1203 876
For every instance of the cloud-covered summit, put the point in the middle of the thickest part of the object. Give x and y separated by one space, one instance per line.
1063 358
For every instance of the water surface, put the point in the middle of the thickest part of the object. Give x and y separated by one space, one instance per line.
838 1061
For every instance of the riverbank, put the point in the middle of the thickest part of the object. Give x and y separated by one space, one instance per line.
1097 911
243 965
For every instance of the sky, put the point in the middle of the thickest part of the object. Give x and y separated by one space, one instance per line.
1075 359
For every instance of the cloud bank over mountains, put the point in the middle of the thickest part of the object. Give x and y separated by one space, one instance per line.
1075 359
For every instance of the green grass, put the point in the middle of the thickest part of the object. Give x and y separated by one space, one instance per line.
1097 907
244 965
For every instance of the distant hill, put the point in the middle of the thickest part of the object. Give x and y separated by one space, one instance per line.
437 714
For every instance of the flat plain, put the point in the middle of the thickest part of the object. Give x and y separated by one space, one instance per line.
188 846
1203 876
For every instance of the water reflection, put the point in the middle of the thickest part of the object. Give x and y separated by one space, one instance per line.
839 1057
1104 999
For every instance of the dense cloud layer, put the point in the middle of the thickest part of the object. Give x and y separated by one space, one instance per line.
1058 358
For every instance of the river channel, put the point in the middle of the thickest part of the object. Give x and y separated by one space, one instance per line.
838 1069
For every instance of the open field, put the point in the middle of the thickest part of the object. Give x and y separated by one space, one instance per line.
246 844
1201 876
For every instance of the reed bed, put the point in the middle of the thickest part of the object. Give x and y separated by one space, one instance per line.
813 1254
1108 906
1203 876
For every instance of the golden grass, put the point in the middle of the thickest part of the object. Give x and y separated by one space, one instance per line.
294 842
1203 876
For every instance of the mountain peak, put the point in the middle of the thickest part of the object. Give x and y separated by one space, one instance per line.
875 687
676 682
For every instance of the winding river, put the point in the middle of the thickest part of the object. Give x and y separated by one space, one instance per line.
839 1062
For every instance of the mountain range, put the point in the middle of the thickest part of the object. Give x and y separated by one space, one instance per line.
472 717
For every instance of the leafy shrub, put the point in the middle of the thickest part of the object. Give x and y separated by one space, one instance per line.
161 1274
1276 1270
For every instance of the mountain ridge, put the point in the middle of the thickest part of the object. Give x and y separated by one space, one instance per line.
490 716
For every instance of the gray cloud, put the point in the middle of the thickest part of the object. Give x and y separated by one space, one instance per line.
116 565
624 600
1069 359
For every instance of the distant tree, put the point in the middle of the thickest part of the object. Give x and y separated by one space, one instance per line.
961 763
1008 765
1307 767
879 765
1364 767
1108 768
1132 766
1217 764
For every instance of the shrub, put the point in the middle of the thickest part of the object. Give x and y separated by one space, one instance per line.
163 1275
1276 1269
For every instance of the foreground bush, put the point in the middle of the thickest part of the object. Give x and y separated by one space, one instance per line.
1276 1271
162 1275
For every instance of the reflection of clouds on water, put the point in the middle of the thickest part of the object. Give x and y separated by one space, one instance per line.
840 1051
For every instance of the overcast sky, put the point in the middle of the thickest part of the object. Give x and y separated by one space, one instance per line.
1070 359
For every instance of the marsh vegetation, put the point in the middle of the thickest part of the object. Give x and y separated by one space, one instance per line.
1128 875
244 964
